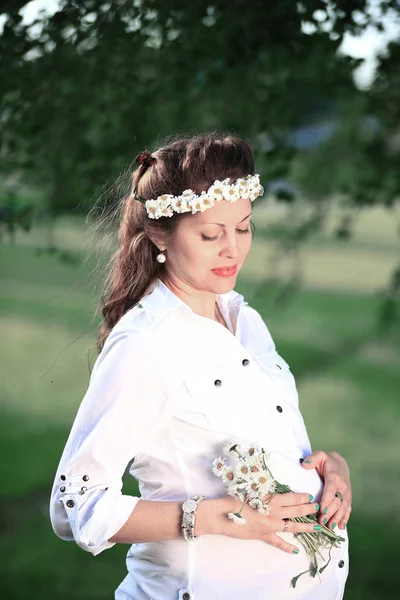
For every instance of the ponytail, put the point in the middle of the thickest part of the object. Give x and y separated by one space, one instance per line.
133 270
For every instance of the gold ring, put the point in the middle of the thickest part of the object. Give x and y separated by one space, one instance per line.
340 496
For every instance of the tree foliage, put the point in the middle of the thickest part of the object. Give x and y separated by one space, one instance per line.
96 81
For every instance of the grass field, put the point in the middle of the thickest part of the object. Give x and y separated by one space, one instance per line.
347 371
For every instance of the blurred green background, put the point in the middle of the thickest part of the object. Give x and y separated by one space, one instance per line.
88 87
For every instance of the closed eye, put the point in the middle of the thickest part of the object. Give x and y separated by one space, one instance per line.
205 238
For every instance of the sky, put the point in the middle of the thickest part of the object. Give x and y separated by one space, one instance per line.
366 46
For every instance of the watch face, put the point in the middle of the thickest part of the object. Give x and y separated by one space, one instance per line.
189 506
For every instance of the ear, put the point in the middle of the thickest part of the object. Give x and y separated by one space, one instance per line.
158 241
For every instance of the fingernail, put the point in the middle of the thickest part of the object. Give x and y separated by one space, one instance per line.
311 497
308 462
295 551
317 507
325 521
325 510
333 525
317 527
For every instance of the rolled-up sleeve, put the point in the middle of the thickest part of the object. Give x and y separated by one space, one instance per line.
126 404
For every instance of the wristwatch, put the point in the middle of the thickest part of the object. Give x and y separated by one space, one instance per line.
189 508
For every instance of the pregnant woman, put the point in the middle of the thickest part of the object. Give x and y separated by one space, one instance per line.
186 365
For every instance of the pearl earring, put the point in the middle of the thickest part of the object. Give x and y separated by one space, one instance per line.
161 258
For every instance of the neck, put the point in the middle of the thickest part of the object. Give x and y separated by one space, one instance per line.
201 302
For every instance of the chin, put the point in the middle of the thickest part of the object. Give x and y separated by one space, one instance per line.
225 284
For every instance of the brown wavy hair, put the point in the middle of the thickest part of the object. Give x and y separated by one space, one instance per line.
193 162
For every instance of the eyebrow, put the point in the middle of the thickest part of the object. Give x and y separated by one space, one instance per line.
223 225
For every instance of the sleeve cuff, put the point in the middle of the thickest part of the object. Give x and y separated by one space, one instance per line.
112 512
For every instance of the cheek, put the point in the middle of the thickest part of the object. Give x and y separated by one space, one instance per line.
245 245
192 251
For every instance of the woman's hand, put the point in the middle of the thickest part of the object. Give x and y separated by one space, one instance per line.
266 527
336 475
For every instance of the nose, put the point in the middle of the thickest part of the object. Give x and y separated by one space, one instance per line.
230 248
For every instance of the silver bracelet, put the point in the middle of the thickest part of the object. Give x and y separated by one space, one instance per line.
189 508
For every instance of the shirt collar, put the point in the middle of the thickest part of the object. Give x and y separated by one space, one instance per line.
162 299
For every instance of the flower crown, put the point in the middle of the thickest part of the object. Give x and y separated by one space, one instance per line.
189 201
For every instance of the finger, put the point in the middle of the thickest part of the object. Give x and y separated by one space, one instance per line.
301 510
333 483
313 460
296 527
327 513
291 499
336 518
278 542
345 519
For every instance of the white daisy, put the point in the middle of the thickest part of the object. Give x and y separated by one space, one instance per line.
218 464
216 191
265 482
254 464
252 489
264 509
242 469
228 448
188 194
164 200
237 518
255 503
251 449
206 201
151 207
231 193
234 491
228 475
177 204
196 205
244 190
164 211
185 206
266 456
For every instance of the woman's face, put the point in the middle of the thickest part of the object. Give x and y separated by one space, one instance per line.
205 243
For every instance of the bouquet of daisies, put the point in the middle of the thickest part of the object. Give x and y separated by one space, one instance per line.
247 477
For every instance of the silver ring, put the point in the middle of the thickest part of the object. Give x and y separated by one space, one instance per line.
286 525
340 496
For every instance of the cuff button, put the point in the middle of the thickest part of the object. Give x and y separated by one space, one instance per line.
341 564
70 503
63 478
245 362
218 383
62 488
85 478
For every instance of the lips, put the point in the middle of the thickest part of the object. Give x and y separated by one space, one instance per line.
225 271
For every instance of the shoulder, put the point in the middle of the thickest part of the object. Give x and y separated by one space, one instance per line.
132 343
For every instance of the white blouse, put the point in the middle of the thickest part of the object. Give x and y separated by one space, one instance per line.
153 397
